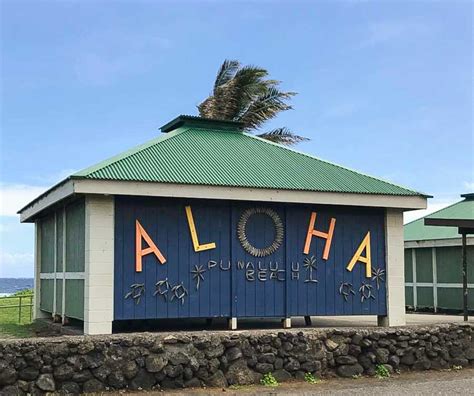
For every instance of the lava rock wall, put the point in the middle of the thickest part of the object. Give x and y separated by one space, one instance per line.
219 359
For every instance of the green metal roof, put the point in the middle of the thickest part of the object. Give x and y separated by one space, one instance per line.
463 210
207 154
418 231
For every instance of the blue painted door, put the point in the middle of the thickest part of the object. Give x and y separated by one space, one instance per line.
229 280
259 282
337 290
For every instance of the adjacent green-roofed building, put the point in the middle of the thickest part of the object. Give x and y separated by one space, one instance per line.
80 237
433 260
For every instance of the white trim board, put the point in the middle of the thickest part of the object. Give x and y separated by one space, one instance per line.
431 243
56 194
435 278
414 284
439 285
60 275
107 187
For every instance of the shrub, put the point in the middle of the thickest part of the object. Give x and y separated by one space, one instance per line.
269 380
311 379
381 371
24 292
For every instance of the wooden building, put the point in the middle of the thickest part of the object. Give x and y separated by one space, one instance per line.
208 221
433 261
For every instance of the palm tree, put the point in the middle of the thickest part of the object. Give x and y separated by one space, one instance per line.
245 94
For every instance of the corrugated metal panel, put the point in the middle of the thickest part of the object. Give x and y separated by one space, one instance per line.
59 296
463 210
408 265
424 297
47 243
59 239
448 270
74 298
408 295
226 158
46 295
449 264
418 231
452 298
424 265
75 237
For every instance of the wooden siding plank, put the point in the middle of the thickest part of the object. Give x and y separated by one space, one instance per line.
59 243
75 237
47 243
408 265
74 293
59 296
424 268
46 297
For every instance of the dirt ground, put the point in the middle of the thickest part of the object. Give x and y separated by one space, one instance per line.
446 382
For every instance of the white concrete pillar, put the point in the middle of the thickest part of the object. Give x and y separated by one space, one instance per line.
232 323
99 265
37 313
63 252
395 269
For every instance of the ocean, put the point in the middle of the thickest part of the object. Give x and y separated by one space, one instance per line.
9 286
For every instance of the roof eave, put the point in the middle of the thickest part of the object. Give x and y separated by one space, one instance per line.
446 222
81 185
56 193
196 191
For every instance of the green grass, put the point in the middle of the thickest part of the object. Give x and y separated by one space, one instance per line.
10 327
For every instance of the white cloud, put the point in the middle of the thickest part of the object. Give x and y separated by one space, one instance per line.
384 31
16 258
14 196
16 248
432 207
16 265
54 178
106 56
469 186
340 110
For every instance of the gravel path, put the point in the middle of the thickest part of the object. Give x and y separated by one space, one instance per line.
459 382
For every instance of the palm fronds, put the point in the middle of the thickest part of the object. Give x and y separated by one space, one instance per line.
226 73
247 95
282 136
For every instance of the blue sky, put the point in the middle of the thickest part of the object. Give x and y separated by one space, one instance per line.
384 87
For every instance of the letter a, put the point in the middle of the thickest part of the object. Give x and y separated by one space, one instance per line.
313 232
140 234
194 236
365 244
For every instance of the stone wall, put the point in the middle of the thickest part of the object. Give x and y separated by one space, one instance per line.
193 359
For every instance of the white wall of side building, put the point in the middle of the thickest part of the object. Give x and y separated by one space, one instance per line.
37 312
395 276
99 265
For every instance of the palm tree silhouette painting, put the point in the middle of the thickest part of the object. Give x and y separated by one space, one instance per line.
310 264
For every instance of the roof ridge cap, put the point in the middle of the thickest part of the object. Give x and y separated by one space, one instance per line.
128 153
334 164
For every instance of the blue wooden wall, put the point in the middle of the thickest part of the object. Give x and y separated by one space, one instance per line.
275 288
